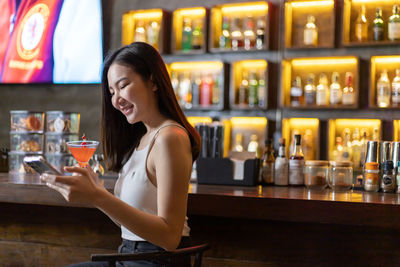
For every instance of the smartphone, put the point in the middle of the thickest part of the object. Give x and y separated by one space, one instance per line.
41 165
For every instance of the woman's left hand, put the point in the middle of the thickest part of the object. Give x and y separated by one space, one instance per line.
84 186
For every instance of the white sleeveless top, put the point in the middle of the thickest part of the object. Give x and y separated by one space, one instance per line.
134 187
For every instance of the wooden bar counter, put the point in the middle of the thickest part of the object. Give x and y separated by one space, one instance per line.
254 226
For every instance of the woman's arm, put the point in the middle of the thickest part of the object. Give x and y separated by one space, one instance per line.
172 161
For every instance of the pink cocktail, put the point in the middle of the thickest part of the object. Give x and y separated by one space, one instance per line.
82 150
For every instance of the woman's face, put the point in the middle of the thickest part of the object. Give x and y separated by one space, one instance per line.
130 94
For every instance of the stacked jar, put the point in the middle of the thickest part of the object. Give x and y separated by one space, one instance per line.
61 128
26 138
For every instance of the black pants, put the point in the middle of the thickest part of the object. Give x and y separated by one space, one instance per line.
128 246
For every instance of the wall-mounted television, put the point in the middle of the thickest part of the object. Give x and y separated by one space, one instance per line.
50 41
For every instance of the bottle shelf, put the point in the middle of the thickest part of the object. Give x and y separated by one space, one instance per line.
189 30
298 14
352 34
301 68
240 27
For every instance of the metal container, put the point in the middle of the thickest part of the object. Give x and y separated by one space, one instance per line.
395 154
372 151
384 151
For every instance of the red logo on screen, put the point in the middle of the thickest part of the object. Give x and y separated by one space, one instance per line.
31 31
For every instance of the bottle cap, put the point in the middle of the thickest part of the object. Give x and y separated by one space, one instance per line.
388 165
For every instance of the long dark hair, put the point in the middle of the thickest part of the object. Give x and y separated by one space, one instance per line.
118 137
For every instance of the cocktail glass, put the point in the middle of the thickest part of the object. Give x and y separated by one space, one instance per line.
82 150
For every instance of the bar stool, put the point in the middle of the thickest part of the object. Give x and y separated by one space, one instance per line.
196 251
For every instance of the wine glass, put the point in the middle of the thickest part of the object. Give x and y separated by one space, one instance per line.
82 150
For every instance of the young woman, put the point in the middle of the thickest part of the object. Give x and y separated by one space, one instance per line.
147 139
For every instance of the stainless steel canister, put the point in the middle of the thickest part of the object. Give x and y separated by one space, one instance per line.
384 152
395 154
372 151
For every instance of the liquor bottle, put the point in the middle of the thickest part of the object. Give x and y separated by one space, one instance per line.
261 89
383 91
243 92
310 32
281 175
238 143
335 90
296 93
140 32
268 163
236 34
196 81
338 151
361 26
253 89
293 141
363 146
224 39
153 29
379 27
394 25
308 148
356 146
185 91
249 34
347 148
206 88
375 134
197 34
309 90
98 161
260 33
348 97
175 84
253 144
216 90
187 34
296 163
322 95
396 89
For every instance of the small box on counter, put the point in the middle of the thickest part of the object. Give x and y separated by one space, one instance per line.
226 171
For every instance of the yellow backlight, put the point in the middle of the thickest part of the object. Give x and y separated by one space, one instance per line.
352 123
385 59
194 120
374 1
148 14
308 4
324 61
250 64
303 122
201 65
251 121
200 11
250 7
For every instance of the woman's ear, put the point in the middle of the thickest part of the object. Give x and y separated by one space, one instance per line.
153 84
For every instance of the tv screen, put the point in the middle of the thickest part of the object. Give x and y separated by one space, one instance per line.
50 41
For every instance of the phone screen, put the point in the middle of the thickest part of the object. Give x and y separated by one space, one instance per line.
41 165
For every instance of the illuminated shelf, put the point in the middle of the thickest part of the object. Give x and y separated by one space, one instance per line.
304 66
337 127
255 10
257 67
247 126
209 75
308 128
378 64
195 14
396 130
147 21
296 13
351 11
